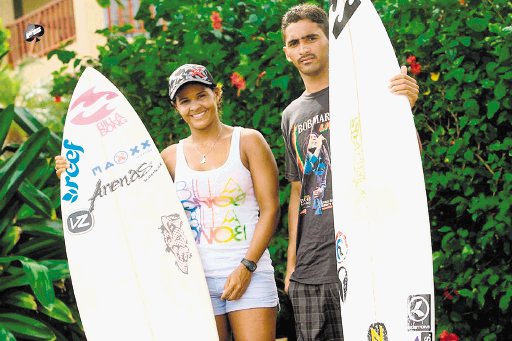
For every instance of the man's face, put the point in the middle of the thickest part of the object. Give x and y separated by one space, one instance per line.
307 47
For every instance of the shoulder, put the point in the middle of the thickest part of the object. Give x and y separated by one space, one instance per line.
251 137
292 107
170 151
169 157
290 112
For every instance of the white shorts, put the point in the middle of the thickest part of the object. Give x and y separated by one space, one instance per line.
261 293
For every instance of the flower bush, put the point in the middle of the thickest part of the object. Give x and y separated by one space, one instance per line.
460 53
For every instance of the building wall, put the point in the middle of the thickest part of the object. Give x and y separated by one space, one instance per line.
89 17
31 5
6 11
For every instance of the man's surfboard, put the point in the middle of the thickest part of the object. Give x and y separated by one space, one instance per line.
134 266
382 228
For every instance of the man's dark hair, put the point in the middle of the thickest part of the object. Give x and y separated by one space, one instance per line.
306 11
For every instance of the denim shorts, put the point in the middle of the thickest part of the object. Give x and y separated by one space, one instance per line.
261 293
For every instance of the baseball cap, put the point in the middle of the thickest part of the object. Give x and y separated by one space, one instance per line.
189 73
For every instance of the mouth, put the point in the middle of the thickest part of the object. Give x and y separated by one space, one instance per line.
198 115
307 59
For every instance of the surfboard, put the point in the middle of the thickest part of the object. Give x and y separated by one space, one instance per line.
382 229
134 265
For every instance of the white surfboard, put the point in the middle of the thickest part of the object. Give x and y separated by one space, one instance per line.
134 265
383 244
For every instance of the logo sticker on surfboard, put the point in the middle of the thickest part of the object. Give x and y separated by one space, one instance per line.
175 240
80 222
377 332
99 108
418 309
348 11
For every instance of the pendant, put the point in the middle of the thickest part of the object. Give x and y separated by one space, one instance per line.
203 160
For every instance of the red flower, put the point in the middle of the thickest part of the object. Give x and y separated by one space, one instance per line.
260 76
445 336
447 295
462 2
416 68
57 99
238 81
411 59
216 20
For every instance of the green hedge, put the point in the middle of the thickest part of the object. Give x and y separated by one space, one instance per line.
462 51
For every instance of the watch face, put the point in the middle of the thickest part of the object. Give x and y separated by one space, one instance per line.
251 266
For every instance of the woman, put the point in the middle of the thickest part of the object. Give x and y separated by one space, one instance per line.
226 179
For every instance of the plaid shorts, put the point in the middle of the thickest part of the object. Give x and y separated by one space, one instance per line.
317 311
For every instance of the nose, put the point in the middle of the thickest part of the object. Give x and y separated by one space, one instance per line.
304 48
194 105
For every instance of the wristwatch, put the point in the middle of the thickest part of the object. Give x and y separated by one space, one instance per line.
249 264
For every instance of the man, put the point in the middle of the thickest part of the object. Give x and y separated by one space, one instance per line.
311 279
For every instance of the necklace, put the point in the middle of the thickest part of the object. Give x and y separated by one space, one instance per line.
203 155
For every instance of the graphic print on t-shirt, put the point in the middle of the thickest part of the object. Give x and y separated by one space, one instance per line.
311 144
201 206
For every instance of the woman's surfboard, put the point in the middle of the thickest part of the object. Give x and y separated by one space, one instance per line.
134 265
382 227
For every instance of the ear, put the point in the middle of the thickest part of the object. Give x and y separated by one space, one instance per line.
286 54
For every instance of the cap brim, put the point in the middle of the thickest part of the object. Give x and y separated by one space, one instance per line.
173 94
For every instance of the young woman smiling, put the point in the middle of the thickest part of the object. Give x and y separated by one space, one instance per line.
226 178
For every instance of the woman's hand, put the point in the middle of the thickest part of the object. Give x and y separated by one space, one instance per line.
237 283
61 165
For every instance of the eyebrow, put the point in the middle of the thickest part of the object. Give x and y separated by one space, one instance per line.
311 35
180 98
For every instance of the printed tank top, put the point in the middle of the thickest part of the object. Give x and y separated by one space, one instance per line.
222 210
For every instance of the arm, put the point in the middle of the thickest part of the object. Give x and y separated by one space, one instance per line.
293 218
169 156
258 158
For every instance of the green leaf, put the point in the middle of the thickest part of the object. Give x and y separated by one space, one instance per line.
35 198
468 155
477 24
281 82
466 41
466 293
21 299
13 171
505 300
6 335
6 117
500 91
42 227
30 124
493 279
38 278
9 239
63 55
492 107
24 326
59 311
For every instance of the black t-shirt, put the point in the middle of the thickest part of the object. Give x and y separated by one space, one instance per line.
305 127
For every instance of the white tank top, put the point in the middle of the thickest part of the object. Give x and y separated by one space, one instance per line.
222 210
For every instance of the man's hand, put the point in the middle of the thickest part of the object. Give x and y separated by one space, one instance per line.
402 84
287 281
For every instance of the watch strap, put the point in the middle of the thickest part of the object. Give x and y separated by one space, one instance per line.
249 264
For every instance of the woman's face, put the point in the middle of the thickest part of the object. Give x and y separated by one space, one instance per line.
197 105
